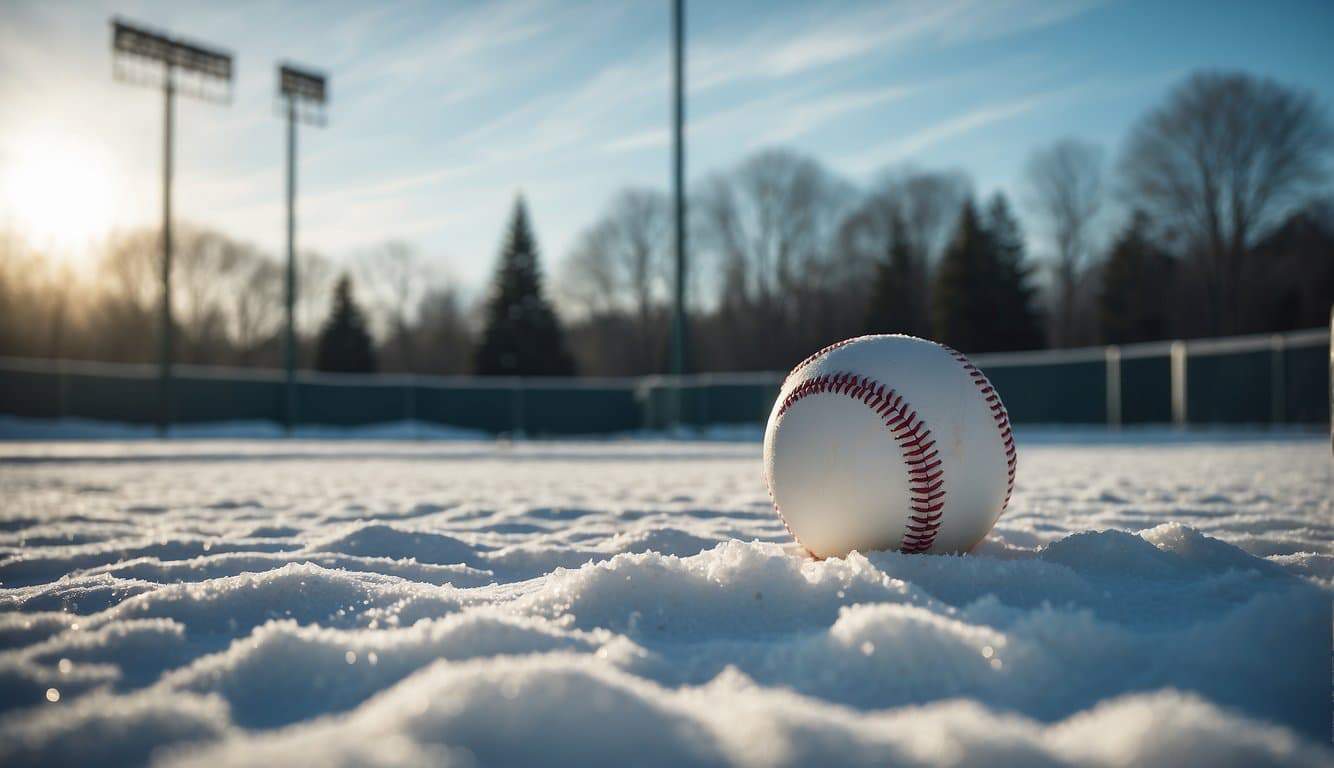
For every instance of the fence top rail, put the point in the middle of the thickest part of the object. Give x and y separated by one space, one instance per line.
1145 350
86 367
1315 337
729 378
465 382
1039 357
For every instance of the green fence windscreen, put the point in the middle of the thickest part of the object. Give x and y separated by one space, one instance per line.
1146 390
1245 381
1052 393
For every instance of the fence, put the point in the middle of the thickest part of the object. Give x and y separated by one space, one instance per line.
1280 379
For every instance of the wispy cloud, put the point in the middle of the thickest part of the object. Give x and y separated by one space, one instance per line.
802 118
821 37
768 120
652 138
967 122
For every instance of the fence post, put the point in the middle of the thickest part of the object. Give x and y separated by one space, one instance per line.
1112 361
1178 358
644 394
62 390
516 408
701 395
410 405
1278 385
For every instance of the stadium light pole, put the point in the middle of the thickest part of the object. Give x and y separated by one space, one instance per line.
678 204
147 57
302 95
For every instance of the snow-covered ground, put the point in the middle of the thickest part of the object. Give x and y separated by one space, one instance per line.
1147 599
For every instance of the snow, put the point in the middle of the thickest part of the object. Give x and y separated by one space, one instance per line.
1149 598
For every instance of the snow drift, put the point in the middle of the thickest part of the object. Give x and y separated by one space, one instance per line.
259 603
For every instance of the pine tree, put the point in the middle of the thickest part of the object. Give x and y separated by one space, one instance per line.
982 300
345 345
896 304
1137 286
958 317
1018 324
523 335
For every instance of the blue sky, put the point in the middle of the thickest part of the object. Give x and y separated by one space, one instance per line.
442 112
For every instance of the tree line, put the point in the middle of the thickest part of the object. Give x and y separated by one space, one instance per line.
1214 219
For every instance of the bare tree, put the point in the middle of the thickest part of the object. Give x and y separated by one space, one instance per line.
1225 156
39 302
623 258
314 285
204 263
129 269
770 227
442 330
124 316
395 280
772 222
617 274
1065 186
590 278
911 210
640 218
257 303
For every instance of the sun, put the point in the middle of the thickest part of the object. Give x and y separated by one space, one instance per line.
57 193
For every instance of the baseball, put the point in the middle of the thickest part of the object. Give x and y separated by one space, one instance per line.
888 442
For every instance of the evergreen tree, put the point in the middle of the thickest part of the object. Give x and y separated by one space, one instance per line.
522 336
982 300
896 304
1018 324
1137 287
345 345
1291 280
959 318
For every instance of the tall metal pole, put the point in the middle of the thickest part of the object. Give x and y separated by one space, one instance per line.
678 189
130 43
289 345
164 371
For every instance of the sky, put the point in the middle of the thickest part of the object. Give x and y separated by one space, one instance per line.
441 113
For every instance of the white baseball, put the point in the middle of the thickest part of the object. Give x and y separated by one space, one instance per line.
888 442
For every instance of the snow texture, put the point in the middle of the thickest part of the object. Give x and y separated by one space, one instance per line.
1149 598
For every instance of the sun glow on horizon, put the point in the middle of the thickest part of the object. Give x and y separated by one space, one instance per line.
58 193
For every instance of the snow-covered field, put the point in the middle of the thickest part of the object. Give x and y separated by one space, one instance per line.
1148 599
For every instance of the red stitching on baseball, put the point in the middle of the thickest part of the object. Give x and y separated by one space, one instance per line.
812 358
925 474
998 413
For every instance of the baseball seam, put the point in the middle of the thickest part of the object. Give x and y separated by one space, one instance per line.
998 414
926 475
821 353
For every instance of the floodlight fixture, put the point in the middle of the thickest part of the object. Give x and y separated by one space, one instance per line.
145 56
301 83
148 57
302 95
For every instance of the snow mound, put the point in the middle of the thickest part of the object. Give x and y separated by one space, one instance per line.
283 672
150 569
735 589
390 542
105 730
1159 602
522 714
